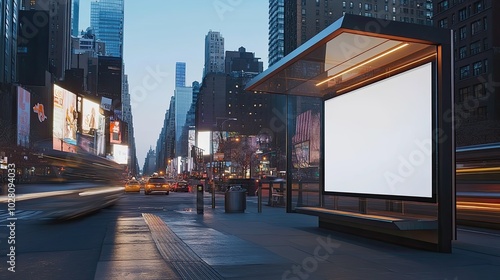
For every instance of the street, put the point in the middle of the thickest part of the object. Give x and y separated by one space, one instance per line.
71 249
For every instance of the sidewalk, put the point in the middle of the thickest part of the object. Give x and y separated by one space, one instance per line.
279 245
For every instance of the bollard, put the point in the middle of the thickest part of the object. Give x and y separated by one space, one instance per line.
259 202
199 199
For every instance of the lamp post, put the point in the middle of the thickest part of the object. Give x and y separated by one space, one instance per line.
212 153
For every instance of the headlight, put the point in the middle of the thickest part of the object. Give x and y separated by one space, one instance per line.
165 186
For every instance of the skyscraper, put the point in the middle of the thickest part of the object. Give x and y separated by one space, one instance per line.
183 98
214 53
75 17
8 43
106 18
180 74
59 32
276 30
304 19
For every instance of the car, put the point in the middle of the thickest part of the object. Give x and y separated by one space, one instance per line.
157 184
133 186
181 186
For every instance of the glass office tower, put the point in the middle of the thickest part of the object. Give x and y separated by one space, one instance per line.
106 18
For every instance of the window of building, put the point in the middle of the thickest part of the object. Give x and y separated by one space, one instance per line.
464 94
368 7
462 14
485 44
476 26
477 68
464 72
443 23
443 6
478 6
475 47
462 52
478 90
486 66
485 24
481 113
343 4
463 32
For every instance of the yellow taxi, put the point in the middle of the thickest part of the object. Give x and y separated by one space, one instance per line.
157 184
133 186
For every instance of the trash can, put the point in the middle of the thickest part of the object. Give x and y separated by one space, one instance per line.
235 200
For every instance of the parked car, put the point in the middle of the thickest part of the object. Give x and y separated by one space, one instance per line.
181 186
157 184
133 186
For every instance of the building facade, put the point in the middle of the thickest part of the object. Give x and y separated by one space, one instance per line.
214 53
180 74
75 17
476 42
304 19
59 22
276 30
8 43
106 18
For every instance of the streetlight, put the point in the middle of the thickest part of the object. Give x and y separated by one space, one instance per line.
212 153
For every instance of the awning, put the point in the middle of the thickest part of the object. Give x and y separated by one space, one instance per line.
353 51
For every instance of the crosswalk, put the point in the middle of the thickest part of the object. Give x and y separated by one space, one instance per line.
19 215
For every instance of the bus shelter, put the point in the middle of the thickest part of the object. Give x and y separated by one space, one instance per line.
369 130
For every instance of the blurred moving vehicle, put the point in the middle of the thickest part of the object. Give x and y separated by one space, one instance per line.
157 184
133 186
181 186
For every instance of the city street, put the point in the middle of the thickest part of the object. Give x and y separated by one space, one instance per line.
162 237
51 249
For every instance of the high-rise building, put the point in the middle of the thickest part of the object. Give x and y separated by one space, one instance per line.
304 19
8 41
106 18
75 17
214 53
276 30
180 74
33 50
59 32
242 61
183 99
476 42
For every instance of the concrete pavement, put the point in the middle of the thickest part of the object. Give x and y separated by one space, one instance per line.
278 245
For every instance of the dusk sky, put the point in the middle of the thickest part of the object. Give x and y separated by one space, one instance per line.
159 33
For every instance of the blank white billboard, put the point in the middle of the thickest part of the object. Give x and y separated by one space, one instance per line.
378 138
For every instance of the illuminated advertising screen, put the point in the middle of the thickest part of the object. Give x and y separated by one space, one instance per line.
115 135
91 117
65 120
23 117
378 138
204 142
120 154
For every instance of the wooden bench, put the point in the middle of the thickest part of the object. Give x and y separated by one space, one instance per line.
393 222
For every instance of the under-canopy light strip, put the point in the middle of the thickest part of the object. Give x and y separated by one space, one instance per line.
363 63
387 72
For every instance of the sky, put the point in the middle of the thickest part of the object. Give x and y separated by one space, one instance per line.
159 33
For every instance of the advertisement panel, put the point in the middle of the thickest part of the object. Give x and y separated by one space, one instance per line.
115 135
23 117
120 153
91 117
378 138
65 120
